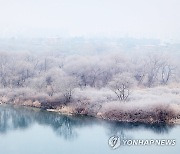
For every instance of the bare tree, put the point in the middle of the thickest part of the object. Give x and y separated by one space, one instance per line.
121 84
153 66
166 72
67 86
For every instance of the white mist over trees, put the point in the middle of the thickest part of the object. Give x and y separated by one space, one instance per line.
59 76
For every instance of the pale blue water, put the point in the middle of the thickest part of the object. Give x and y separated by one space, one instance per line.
29 131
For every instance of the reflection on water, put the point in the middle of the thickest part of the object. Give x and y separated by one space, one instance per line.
12 118
28 130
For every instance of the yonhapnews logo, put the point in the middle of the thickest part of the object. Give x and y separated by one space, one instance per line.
115 142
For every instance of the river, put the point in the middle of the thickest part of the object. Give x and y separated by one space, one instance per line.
32 131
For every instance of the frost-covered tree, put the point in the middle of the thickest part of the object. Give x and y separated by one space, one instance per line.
68 85
56 75
121 85
159 69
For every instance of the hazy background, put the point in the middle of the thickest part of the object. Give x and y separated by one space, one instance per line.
93 53
159 19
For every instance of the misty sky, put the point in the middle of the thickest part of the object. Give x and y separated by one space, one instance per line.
133 18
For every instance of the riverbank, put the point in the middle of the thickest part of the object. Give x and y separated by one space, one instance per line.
153 115
168 114
160 105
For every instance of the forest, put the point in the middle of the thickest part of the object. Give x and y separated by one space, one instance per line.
106 85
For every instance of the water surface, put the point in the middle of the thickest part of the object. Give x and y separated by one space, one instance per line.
32 131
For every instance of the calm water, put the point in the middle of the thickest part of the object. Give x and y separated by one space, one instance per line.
30 131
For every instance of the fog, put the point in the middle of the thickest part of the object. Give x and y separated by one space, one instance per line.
68 18
112 59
